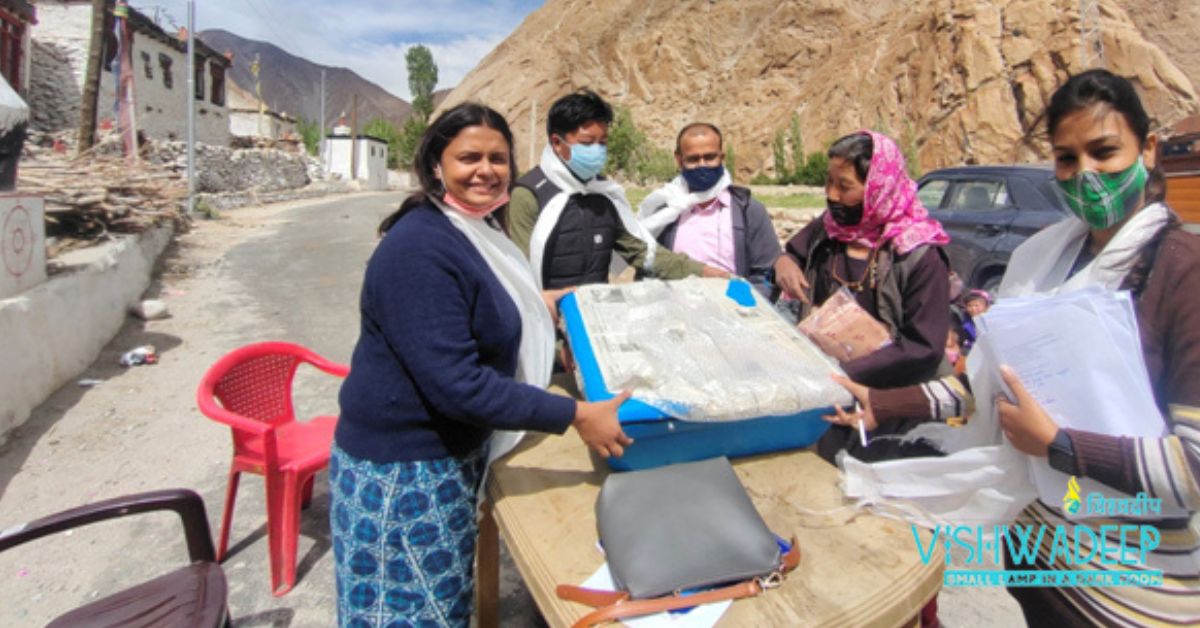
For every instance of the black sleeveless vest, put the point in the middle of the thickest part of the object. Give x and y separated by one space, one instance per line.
580 248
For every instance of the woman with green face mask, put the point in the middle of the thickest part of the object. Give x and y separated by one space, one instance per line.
1122 237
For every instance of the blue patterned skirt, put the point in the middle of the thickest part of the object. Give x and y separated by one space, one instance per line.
404 539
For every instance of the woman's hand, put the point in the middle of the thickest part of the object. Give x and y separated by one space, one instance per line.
790 278
551 299
598 426
1025 423
866 416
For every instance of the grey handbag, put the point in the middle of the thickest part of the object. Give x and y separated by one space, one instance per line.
682 527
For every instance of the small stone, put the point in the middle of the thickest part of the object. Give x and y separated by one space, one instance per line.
150 310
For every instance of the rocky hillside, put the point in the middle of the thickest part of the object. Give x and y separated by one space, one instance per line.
292 84
961 81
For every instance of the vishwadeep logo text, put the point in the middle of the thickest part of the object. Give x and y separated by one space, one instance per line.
1115 553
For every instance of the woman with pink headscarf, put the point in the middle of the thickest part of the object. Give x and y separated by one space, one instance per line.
876 240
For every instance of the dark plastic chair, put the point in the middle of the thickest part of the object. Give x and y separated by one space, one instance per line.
193 596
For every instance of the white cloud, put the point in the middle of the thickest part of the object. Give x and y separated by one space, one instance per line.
367 36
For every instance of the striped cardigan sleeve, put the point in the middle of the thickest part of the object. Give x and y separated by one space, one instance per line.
940 400
1166 468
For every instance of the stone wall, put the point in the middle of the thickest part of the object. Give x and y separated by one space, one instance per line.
54 95
220 169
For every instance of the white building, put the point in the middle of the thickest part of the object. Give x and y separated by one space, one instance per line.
248 117
371 165
60 49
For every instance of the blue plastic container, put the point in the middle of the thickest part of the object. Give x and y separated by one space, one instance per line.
661 440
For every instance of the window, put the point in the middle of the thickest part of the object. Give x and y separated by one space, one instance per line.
12 31
164 63
979 196
932 193
148 66
199 79
218 84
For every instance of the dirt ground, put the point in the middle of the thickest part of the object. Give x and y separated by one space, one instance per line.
288 271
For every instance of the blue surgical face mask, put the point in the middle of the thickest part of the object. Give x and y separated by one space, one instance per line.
587 160
703 178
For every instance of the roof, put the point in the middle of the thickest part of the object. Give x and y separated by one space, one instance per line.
269 112
1025 170
360 136
146 26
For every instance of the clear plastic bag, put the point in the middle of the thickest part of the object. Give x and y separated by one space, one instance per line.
688 350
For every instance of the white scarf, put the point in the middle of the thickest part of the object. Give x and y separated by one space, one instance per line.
984 480
666 204
558 174
535 359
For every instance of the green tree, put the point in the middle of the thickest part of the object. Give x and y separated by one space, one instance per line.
625 140
730 160
409 138
797 142
387 132
779 151
909 148
310 132
422 79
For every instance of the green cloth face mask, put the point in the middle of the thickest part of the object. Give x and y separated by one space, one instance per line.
1103 200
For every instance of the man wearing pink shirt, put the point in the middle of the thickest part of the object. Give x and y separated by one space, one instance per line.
703 215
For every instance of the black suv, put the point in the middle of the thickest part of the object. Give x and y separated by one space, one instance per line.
988 211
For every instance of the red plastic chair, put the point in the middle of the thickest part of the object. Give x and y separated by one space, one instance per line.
250 390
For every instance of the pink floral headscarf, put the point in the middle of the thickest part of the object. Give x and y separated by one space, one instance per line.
891 210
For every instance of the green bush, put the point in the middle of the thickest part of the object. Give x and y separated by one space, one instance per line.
653 165
814 171
761 179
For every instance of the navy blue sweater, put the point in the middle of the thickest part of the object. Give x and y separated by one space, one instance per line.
432 373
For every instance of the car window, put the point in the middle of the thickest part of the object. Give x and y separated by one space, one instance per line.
1050 190
932 192
978 196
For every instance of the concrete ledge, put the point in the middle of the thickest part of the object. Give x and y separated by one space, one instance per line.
52 333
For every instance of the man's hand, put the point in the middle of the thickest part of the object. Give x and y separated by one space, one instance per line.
551 299
598 426
790 278
713 271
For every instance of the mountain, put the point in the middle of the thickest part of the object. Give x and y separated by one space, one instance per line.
956 81
292 84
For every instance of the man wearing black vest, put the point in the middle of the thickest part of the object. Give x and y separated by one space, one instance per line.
569 220
704 216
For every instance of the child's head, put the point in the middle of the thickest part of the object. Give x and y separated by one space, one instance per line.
953 349
977 302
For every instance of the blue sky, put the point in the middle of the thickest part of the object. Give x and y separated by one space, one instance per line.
367 36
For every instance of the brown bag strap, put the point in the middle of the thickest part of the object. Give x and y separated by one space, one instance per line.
614 605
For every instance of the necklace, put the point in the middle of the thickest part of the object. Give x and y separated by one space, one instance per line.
868 274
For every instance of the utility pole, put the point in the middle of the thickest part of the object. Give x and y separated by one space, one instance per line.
91 81
354 138
191 107
1091 42
321 142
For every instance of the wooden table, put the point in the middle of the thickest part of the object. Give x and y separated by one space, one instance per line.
861 572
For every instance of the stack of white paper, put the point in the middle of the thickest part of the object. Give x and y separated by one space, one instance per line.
1080 356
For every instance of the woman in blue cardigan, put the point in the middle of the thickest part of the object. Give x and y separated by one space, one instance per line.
456 343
